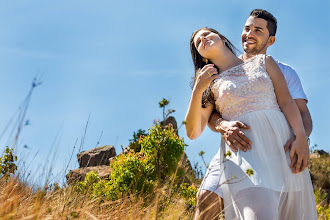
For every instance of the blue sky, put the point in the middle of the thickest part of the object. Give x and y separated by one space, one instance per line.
115 60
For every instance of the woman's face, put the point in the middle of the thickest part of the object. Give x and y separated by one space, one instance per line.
205 42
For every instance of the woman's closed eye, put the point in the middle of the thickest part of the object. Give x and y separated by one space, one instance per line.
198 42
205 34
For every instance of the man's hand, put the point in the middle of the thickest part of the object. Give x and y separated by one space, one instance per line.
289 143
235 138
299 155
294 159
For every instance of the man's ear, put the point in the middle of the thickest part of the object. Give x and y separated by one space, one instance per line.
271 40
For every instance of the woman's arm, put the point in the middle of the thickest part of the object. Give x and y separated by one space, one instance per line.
291 112
197 116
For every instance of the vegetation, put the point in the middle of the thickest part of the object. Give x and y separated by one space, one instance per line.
148 169
7 163
148 181
320 174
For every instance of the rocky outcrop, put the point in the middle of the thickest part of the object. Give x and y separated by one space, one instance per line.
170 120
96 156
79 174
96 159
318 154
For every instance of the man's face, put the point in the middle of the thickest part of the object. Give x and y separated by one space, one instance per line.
255 36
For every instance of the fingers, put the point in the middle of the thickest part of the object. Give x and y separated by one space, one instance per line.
293 163
292 153
288 144
236 139
246 141
299 163
241 144
304 165
208 68
231 146
215 75
209 72
237 143
242 125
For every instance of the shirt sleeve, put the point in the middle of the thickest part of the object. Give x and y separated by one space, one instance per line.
294 84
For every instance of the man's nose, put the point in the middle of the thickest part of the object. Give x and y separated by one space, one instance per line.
248 33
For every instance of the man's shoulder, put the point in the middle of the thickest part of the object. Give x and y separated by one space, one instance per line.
285 68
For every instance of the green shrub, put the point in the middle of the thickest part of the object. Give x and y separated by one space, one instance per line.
138 172
189 192
130 173
7 163
163 148
134 143
323 209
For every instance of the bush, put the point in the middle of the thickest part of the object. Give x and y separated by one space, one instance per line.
134 143
163 148
138 172
189 192
323 209
130 173
7 163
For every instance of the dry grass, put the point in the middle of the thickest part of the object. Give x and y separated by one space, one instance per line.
20 201
320 174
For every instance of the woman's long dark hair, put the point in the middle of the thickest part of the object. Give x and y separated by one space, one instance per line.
199 63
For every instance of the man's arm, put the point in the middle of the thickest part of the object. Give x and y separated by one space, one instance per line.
300 98
308 126
305 115
231 132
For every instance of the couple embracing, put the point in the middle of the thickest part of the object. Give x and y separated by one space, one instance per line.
259 107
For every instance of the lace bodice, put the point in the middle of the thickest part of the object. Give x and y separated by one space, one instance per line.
244 88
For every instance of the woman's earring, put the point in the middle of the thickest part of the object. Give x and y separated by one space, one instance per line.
206 61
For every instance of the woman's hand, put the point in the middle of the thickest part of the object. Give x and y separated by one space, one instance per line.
299 154
205 77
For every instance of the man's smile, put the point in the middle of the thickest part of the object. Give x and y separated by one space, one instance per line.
249 41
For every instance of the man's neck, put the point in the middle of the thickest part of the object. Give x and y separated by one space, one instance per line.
247 56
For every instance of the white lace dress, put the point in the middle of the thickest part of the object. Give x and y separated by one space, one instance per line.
245 93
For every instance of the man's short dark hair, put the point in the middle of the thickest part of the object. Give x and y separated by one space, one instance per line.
271 20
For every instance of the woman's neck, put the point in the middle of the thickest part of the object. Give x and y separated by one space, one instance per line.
226 61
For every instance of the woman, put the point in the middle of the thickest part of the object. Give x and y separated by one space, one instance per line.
257 184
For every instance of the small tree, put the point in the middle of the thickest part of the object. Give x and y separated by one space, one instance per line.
134 143
7 163
163 104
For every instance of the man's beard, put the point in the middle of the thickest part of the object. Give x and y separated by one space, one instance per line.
256 49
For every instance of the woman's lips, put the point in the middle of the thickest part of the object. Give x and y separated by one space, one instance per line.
206 43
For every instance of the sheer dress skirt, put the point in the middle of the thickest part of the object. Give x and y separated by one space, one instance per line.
272 191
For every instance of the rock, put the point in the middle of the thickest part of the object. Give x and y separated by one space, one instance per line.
185 163
168 121
97 156
79 174
318 154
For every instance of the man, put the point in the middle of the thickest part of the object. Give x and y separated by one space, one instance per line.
258 34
